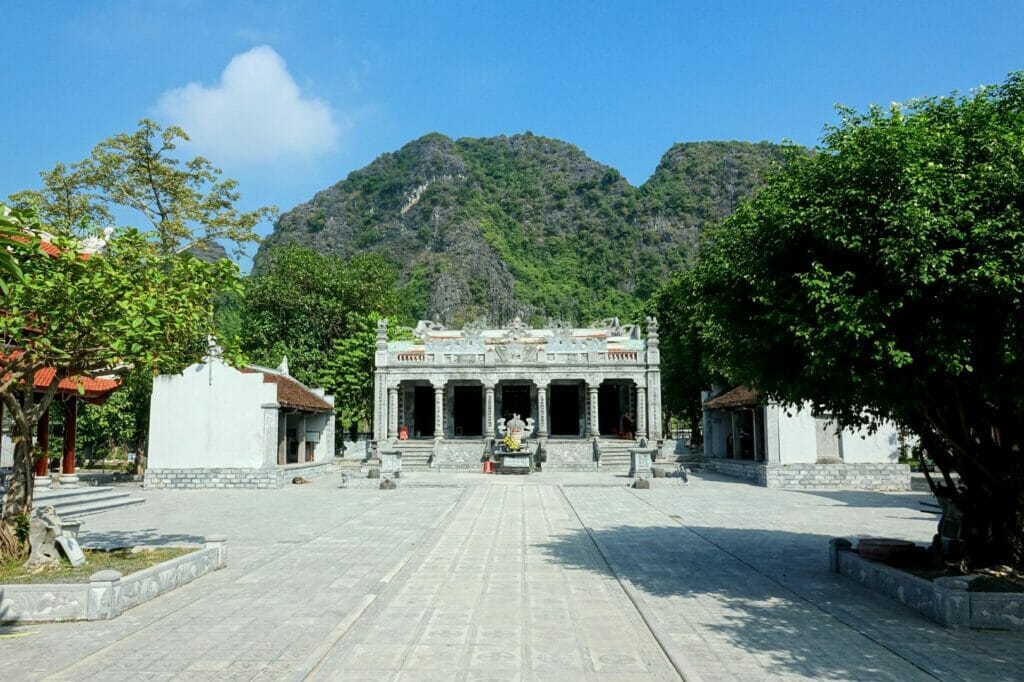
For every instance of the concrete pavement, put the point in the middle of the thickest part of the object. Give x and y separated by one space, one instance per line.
546 577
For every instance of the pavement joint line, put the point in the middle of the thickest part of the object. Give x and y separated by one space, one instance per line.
685 672
848 622
316 658
56 675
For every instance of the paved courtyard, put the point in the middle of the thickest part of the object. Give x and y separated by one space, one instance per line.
545 577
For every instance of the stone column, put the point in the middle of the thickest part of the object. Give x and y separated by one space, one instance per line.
735 435
489 412
641 412
380 407
392 413
592 429
67 462
43 443
755 423
542 411
439 411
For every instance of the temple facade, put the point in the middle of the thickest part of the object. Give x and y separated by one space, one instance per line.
586 391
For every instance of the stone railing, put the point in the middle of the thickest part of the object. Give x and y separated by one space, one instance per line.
410 357
619 356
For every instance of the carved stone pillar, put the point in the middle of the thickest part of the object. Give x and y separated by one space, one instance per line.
542 411
380 407
641 412
592 429
489 411
439 411
392 413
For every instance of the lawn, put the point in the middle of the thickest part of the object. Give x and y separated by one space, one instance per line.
124 560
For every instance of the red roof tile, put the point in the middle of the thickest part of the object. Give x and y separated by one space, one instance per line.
741 396
291 393
92 388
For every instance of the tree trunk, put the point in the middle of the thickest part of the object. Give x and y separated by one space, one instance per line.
989 495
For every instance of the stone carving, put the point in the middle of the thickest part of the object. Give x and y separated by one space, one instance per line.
423 327
513 353
382 334
652 332
45 529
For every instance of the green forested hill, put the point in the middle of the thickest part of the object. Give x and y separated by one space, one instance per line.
495 227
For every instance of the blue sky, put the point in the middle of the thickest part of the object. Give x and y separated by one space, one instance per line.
289 97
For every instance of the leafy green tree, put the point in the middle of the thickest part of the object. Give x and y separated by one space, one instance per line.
131 307
684 360
187 204
321 312
123 420
883 279
13 240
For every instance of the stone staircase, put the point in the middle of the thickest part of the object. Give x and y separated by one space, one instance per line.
615 453
416 454
75 502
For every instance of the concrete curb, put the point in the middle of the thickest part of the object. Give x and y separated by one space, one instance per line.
108 594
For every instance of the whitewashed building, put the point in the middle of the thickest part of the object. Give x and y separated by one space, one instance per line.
779 447
591 393
214 426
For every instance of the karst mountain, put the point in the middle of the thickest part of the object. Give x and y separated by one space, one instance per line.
490 228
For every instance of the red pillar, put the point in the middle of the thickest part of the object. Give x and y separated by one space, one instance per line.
43 441
67 464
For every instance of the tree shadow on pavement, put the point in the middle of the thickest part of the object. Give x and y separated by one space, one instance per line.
113 539
698 579
867 498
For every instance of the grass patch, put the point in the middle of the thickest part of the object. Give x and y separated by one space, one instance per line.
124 560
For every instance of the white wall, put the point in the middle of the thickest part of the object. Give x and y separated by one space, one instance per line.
882 446
718 430
797 444
211 416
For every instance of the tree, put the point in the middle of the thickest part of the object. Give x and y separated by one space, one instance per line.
187 205
130 307
883 279
321 312
684 360
13 241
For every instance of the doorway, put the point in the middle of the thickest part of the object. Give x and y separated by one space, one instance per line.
423 412
565 409
515 399
467 411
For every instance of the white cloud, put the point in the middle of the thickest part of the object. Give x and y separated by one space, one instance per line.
255 114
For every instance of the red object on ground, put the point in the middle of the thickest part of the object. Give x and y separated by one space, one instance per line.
403 432
488 467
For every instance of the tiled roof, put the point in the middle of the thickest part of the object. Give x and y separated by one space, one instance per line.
741 396
92 388
290 393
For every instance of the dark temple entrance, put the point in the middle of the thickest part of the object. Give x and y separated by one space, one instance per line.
468 413
609 418
423 412
565 410
515 399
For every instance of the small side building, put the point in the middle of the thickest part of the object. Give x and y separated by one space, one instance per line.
752 438
214 426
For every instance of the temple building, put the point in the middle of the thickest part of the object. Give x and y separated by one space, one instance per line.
590 392
217 426
748 436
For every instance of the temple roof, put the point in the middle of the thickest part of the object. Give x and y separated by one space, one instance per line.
741 396
89 389
290 392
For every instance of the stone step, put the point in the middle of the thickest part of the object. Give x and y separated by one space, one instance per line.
65 493
71 502
98 506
